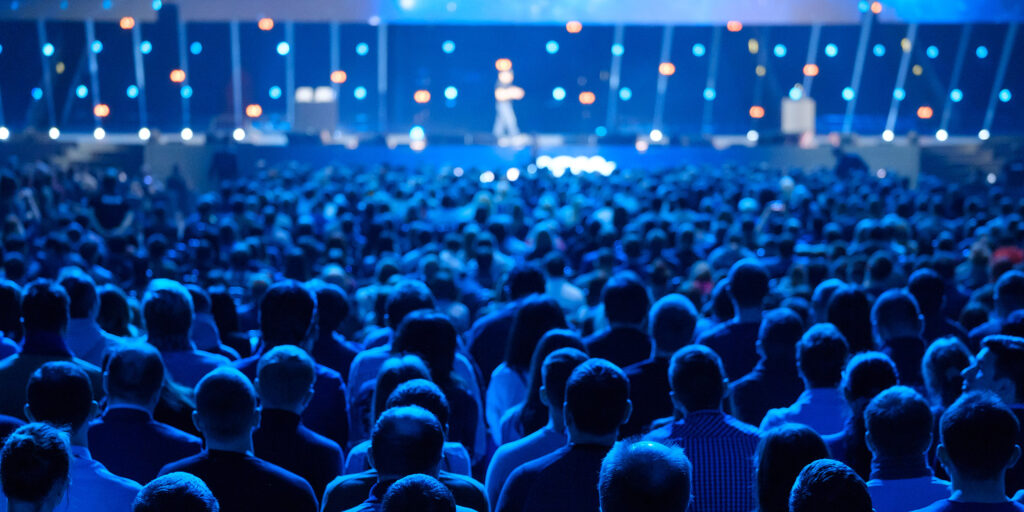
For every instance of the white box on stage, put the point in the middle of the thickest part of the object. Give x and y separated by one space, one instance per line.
798 116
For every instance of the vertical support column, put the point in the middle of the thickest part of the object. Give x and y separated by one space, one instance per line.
236 75
140 75
858 70
716 46
997 85
382 78
901 79
954 81
94 79
289 74
186 104
614 77
659 99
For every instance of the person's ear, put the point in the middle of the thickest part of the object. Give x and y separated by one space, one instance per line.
943 456
308 397
197 422
94 411
256 385
369 457
106 384
569 421
869 441
544 397
1015 457
628 413
257 415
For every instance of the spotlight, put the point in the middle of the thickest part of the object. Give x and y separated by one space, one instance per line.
338 76
81 91
48 49
97 46
132 91
573 27
362 49
1005 96
709 93
512 174
186 134
503 64
779 50
448 46
450 92
667 68
486 177
941 135
656 135
421 96
848 93
699 50
925 112
551 47
145 47
144 133
810 70
899 93
831 50
101 110
625 93
417 133
558 93
195 48
177 76
981 52
283 48
878 50
956 95
932 52
186 92
274 92
127 23
888 136
253 111
37 93
756 112
359 93
983 134
618 49
587 98
54 133
4 133
753 136
238 134
734 26
265 24
99 133
991 178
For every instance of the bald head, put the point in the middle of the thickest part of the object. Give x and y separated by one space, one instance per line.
226 405
645 476
285 378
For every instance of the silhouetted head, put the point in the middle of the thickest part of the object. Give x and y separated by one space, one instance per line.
645 476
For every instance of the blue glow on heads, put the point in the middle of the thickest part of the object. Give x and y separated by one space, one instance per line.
451 92
699 50
899 93
186 91
448 46
796 93
600 131
359 92
779 50
981 52
283 48
618 49
878 50
831 50
145 47
625 93
362 49
274 92
709 94
1005 96
133 91
848 93
48 50
551 47
558 93
932 52
81 91
196 47
97 46
956 95
37 93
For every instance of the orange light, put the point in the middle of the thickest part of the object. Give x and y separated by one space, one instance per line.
503 64
574 27
265 24
876 7
253 110
667 68
925 112
101 110
421 96
338 76
810 70
587 98
177 76
757 112
127 23
734 26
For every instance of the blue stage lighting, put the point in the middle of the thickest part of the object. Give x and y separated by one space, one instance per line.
863 6
551 47
848 93
107 4
451 92
956 95
932 52
699 50
1 48
796 93
37 93
625 93
283 48
81 91
831 50
1005 96
196 47
274 92
981 52
899 93
157 5
48 50
186 91
600 131
145 47
362 49
133 91
878 50
618 49
97 46
416 133
780 50
558 93
359 92
448 46
709 93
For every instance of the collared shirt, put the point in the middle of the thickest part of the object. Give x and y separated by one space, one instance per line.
94 488
512 455
88 342
958 506
822 409
188 367
722 450
454 459
900 495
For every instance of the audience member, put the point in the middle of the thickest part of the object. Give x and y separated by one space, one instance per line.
35 469
774 381
167 308
331 349
625 341
176 492
371 404
1008 297
781 454
489 335
849 309
736 339
942 366
898 325
929 289
419 493
829 485
84 337
645 476
205 335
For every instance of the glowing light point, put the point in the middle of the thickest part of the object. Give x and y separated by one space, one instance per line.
888 136
450 92
796 92
932 52
4 133
876 7
656 135
127 23
956 95
186 134
186 92
195 48
338 76
253 111
265 24
899 94
81 91
981 52
551 47
941 135
878 50
667 68
283 48
558 93
917 70
359 93
709 94
625 94
145 47
811 70
503 64
753 136
448 47
99 133
587 98
97 46
362 49
573 27
54 133
274 92
238 134
177 76
848 93
925 112
991 178
779 50
132 91
1005 96
37 93
618 49
48 49
512 174
101 110
756 112
421 96
699 50
486 177
831 50
144 133
734 26
984 134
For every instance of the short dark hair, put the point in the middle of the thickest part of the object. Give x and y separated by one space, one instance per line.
200 298
81 291
167 308
406 296
867 375
928 288
645 476
332 304
418 493
979 433
176 492
696 375
1009 292
10 310
850 311
287 314
672 320
941 368
780 331
597 396
896 308
225 401
558 367
44 306
286 374
406 440
35 458
422 393
431 336
1009 351
537 315
59 393
524 280
822 295
135 372
781 453
394 371
821 355
625 299
899 423
827 484
748 283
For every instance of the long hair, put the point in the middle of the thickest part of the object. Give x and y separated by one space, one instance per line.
537 315
533 413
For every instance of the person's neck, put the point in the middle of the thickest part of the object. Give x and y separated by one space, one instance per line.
80 437
577 437
294 409
239 445
390 478
113 401
625 325
746 315
978 491
556 420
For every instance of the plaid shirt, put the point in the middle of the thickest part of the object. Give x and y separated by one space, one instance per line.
721 449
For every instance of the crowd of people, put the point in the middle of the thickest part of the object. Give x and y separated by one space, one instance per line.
711 339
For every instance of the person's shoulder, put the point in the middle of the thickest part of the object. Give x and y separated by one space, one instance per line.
328 374
712 332
114 481
175 434
89 368
343 482
938 506
456 480
278 473
324 445
660 434
188 464
742 428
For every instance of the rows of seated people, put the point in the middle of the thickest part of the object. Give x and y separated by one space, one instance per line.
348 340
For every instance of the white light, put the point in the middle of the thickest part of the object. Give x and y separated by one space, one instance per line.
406 4
99 133
418 145
186 134
416 133
642 145
323 94
984 134
991 178
752 136
941 135
283 48
881 173
54 133
888 136
144 133
512 174
486 177
458 172
4 133
304 94
543 161
238 134
656 135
